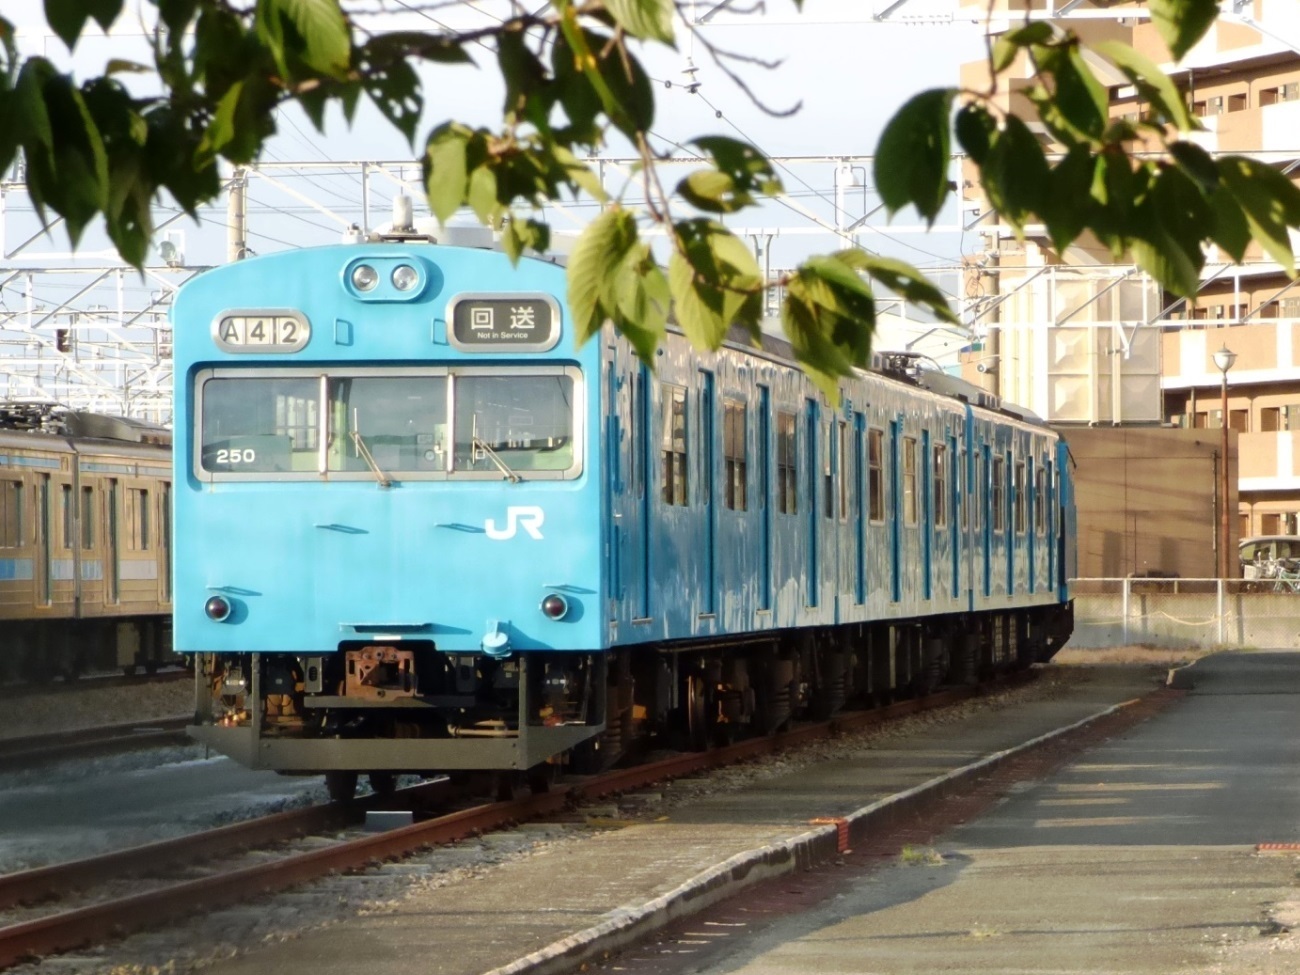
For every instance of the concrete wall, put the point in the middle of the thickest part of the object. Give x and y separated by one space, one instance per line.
1147 499
1187 620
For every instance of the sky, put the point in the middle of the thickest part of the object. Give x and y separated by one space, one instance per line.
845 72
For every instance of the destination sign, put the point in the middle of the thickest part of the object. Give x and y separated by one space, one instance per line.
491 323
261 331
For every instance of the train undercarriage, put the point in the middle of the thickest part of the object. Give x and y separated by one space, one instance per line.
37 651
406 707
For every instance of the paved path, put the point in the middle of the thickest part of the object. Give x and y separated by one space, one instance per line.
1138 858
493 919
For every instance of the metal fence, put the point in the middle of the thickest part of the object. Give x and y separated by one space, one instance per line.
1179 613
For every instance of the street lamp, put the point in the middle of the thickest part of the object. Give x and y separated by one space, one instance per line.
1224 359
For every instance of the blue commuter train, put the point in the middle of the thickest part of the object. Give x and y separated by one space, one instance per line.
420 528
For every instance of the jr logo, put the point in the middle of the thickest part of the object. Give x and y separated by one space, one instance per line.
528 517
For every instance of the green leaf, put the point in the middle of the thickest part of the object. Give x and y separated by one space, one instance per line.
1015 174
1230 229
593 266
715 282
642 300
912 159
446 173
975 131
749 169
1065 205
520 235
322 30
1196 163
1155 87
1269 201
1167 262
593 75
579 174
395 90
67 18
902 279
482 195
712 192
650 20
176 14
1183 212
1181 23
1078 108
1010 43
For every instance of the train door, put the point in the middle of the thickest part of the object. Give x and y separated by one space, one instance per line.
638 465
956 516
165 542
43 541
764 461
813 550
895 511
112 544
984 478
612 495
708 491
927 517
859 510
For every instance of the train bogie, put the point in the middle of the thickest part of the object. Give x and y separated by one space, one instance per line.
425 528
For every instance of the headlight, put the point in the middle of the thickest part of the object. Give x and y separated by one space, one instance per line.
364 277
405 277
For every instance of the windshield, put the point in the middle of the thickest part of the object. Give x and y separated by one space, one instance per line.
527 421
514 423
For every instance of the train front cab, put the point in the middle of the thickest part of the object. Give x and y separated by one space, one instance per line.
391 554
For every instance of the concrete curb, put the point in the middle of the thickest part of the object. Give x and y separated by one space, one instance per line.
627 924
1180 678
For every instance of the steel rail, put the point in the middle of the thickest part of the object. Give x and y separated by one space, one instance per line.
16 753
78 927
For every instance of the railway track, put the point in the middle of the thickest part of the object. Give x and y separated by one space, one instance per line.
44 749
45 916
17 690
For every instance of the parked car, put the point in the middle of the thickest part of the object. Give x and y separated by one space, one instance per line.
1262 552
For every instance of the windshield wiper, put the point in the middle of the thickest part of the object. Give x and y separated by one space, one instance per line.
480 446
383 479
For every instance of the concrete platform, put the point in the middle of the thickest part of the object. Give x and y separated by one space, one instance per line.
517 916
1138 858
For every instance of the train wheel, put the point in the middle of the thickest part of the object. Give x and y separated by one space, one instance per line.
382 784
341 785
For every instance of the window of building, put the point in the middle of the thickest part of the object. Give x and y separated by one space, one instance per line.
1239 420
876 474
733 453
940 485
909 481
673 444
1238 102
1288 92
999 486
1018 498
787 468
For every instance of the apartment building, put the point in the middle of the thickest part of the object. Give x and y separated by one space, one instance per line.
1084 343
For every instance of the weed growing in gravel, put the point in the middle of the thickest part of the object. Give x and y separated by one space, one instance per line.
916 857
